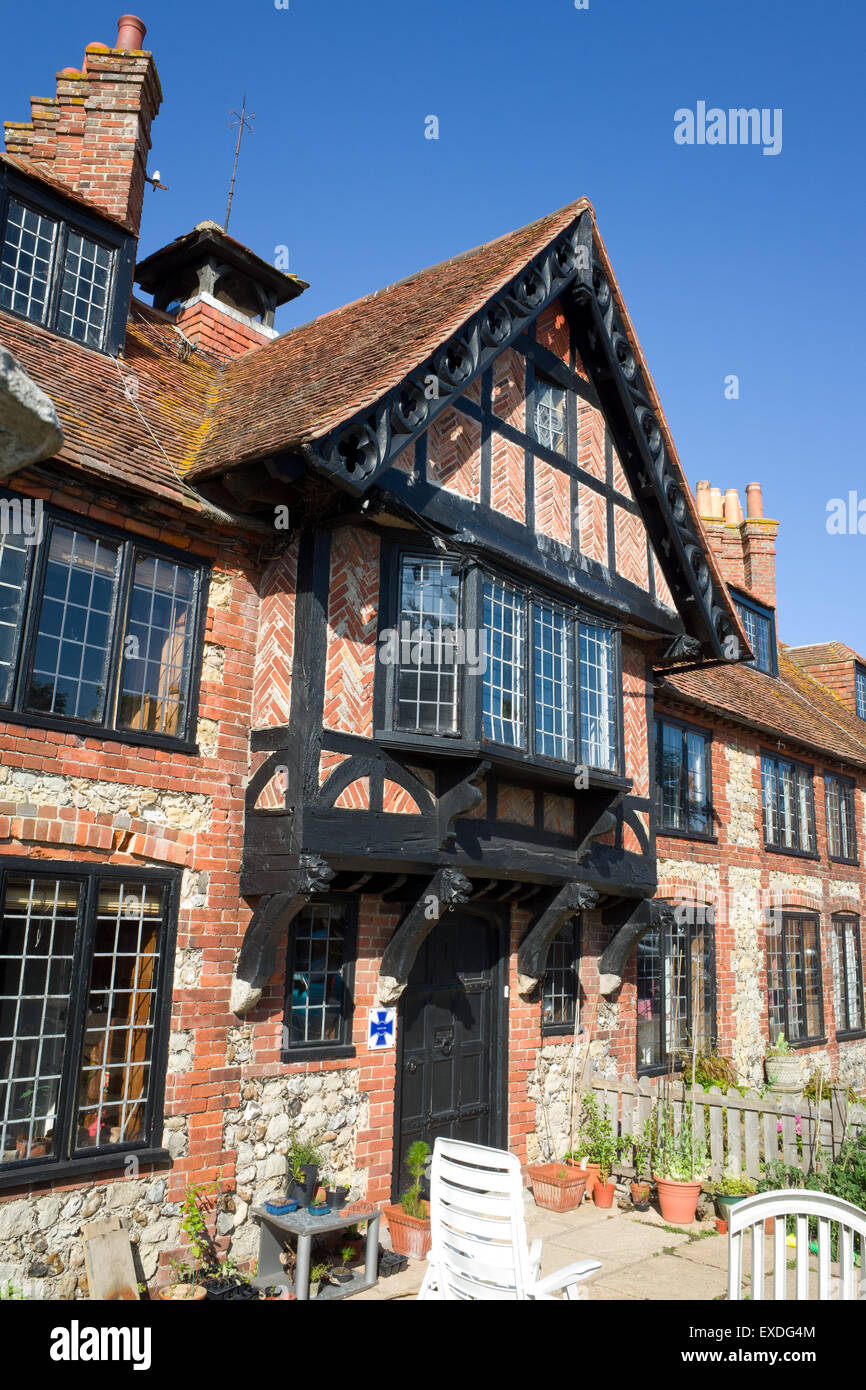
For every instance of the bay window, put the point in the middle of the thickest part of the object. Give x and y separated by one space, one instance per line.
847 974
788 805
794 978
85 960
98 630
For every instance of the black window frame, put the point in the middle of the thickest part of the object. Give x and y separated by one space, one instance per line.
70 217
658 745
850 788
572 975
769 845
860 686
778 924
841 919
702 916
328 1049
131 545
149 1149
768 615
469 734
541 377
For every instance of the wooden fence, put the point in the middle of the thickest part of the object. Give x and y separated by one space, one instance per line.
741 1132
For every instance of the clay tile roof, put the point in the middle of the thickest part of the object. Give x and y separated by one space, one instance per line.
794 707
303 384
823 654
103 430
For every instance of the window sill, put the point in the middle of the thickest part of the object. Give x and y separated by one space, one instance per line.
38 1172
791 853
558 1030
807 1042
515 761
852 863
856 1036
318 1054
661 831
103 735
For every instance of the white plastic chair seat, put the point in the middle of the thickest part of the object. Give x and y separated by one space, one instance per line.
479 1248
846 1283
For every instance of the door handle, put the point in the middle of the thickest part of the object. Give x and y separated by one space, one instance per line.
446 1046
412 1065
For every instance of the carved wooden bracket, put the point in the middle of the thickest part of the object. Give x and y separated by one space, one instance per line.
257 958
571 898
644 915
447 889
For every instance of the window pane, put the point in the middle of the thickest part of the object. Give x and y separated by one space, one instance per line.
70 662
860 684
25 262
427 671
117 1052
847 974
670 776
804 810
696 785
157 647
554 683
504 706
770 801
597 704
649 1001
776 980
316 1003
559 987
550 415
13 564
812 978
38 920
84 287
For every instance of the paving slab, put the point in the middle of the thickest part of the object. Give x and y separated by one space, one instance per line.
620 1239
667 1277
712 1251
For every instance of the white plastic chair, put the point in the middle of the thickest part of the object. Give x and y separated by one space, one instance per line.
846 1284
478 1231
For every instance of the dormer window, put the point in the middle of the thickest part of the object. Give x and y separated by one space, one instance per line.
59 267
860 689
760 628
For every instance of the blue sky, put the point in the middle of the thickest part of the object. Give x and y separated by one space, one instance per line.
731 261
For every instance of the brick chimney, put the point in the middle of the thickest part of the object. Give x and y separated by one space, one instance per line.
745 548
223 295
94 135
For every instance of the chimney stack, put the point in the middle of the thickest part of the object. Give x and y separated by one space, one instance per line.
744 548
94 135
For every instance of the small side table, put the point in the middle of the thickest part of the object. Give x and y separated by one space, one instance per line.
274 1229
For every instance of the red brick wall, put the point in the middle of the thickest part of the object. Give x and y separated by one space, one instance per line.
217 332
352 618
272 695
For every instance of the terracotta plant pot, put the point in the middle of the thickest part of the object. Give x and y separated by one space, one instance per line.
721 1226
678 1201
171 1294
603 1193
592 1173
410 1235
640 1192
557 1186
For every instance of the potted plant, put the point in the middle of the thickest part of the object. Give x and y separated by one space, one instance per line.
319 1275
183 1285
343 1274
596 1151
304 1163
557 1186
729 1191
186 1282
680 1164
409 1219
782 1066
640 1188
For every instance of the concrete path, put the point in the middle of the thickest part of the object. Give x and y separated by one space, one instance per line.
642 1257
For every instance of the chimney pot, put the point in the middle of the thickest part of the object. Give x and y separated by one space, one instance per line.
754 501
130 32
703 497
716 508
733 510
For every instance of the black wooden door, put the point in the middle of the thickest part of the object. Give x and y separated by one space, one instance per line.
450 1078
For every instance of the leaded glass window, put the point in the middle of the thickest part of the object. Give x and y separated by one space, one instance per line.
504 698
789 815
675 990
427 667
559 989
318 1002
554 682
841 820
794 977
847 973
682 779
550 426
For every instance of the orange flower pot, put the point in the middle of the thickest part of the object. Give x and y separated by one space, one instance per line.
678 1201
557 1186
603 1193
410 1235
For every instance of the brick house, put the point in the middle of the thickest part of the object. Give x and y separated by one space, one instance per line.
328 667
